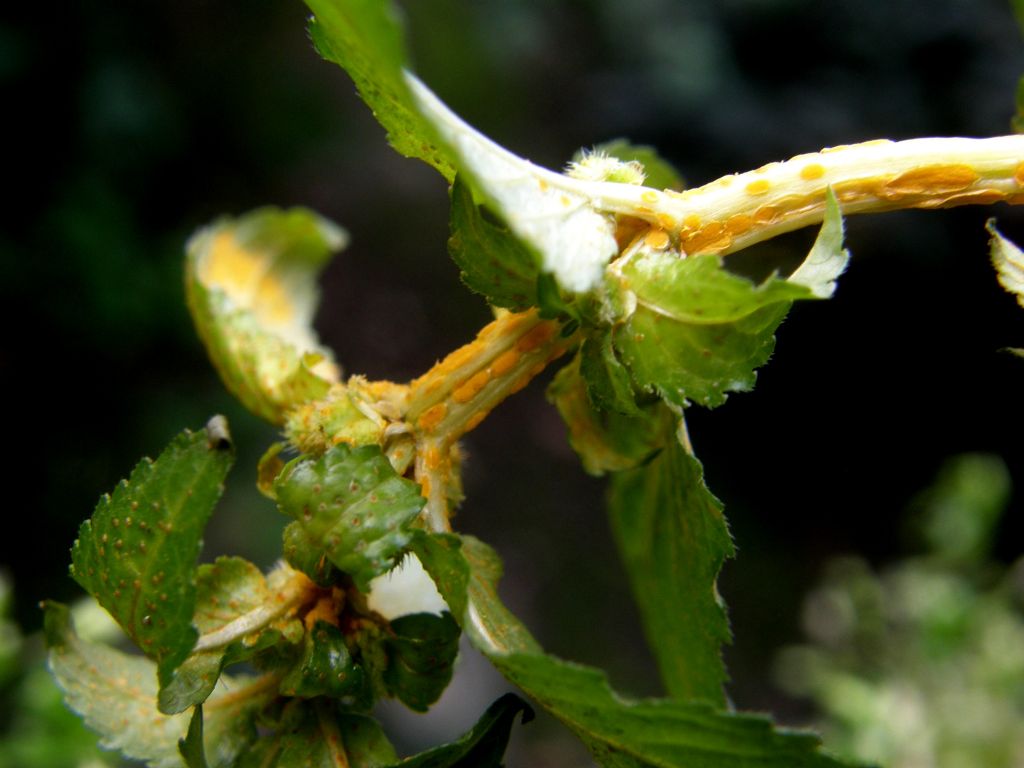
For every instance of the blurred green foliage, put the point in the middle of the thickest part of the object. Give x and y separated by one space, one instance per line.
922 663
36 728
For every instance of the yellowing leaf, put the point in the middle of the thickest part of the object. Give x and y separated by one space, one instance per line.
116 694
251 289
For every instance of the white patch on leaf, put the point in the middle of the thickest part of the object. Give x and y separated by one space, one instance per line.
546 209
407 588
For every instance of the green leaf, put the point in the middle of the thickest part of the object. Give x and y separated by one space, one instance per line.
421 658
491 627
366 39
137 554
326 668
618 731
621 733
365 742
227 590
251 289
466 572
441 556
1018 10
352 507
827 259
314 734
116 693
191 747
559 218
484 745
305 554
606 440
609 384
695 331
493 261
658 172
673 540
1008 261
962 508
541 207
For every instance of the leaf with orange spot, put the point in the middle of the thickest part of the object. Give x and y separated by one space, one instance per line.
137 553
350 507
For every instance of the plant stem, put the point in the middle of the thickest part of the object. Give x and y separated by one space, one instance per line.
455 395
738 210
332 735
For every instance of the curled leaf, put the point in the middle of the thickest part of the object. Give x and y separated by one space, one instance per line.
251 288
326 668
366 39
492 260
827 259
484 745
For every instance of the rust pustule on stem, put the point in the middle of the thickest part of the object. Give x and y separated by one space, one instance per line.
736 211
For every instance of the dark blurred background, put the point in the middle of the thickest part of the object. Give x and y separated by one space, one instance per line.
130 124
